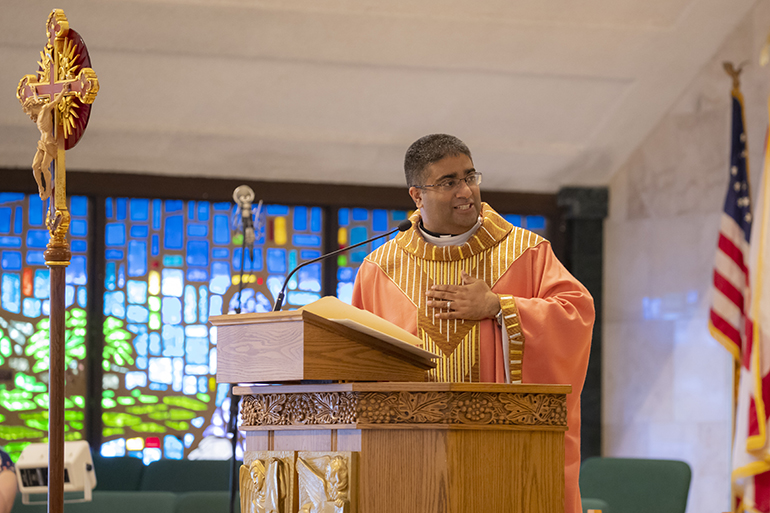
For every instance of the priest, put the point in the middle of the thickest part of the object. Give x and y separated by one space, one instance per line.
490 298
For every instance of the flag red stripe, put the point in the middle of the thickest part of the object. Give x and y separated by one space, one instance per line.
728 289
727 329
732 251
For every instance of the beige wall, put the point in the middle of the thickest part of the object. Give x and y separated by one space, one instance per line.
667 383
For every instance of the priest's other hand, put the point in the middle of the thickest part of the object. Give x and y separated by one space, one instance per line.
473 300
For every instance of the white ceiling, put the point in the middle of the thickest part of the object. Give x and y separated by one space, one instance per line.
546 93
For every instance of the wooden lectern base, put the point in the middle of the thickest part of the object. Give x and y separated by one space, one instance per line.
422 447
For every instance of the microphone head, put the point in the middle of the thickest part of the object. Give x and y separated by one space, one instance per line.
404 225
243 194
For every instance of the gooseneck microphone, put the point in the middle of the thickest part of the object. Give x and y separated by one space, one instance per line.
402 227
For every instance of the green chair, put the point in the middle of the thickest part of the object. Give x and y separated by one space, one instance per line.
118 474
630 485
181 476
206 502
599 504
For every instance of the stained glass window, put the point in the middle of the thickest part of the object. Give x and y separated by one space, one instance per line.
537 224
357 225
170 265
24 309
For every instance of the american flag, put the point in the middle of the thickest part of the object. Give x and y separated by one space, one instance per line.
728 314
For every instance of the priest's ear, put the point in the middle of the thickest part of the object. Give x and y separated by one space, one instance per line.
416 194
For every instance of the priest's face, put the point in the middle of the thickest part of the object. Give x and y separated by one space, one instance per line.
448 210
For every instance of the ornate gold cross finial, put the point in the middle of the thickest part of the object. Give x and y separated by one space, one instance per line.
65 86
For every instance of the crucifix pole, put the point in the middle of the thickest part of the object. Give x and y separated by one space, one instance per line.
59 100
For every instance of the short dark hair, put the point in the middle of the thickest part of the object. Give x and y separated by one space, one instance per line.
427 150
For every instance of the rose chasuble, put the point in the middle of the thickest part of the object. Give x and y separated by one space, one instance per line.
546 313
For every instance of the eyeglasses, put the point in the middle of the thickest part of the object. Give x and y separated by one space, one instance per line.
450 184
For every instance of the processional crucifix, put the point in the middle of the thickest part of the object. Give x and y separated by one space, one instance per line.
58 99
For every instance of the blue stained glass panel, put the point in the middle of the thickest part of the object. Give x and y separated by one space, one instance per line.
191 211
31 307
35 212
309 254
109 276
173 341
155 346
276 260
113 254
11 197
5 220
173 449
190 305
309 278
174 235
306 240
358 234
513 219
155 245
380 220
300 298
11 261
156 214
197 350
42 287
221 229
76 271
137 258
79 228
360 214
18 221
222 253
203 304
115 304
37 238
171 311
197 274
140 230
79 246
357 257
115 234
137 291
197 230
277 210
10 297
82 297
121 207
315 219
174 205
300 218
345 274
35 258
79 206
108 208
203 210
173 261
136 313
160 370
69 295
400 215
222 206
198 252
248 264
343 217
10 242
535 223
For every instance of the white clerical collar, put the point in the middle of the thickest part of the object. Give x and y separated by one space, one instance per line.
450 240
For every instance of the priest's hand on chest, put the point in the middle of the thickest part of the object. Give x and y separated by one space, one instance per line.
473 300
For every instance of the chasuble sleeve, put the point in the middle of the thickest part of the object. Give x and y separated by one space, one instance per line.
556 316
